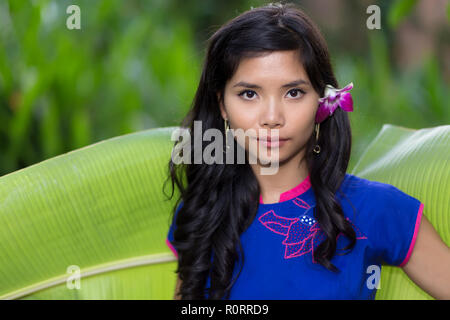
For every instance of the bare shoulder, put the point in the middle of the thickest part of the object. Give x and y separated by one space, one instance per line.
432 254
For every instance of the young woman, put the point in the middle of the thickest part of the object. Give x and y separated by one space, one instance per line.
310 230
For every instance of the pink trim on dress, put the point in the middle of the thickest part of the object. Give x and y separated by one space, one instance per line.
171 248
294 192
413 241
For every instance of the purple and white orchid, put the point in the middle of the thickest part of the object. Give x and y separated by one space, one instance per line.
332 99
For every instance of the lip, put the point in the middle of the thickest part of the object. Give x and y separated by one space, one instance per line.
271 142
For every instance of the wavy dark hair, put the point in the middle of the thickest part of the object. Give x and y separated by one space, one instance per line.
220 201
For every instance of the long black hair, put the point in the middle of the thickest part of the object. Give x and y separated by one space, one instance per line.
220 201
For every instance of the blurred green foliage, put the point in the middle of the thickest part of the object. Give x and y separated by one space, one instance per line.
135 65
132 66
399 10
418 98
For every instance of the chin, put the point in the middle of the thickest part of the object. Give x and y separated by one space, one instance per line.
271 158
281 158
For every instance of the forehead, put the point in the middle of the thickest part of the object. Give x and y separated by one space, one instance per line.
274 67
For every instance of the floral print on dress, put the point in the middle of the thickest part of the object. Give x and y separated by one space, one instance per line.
302 234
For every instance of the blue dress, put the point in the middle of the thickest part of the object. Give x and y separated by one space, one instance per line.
280 242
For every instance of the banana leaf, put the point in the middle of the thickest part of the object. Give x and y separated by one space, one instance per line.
102 209
418 163
98 212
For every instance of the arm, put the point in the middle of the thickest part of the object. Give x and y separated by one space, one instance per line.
429 264
177 289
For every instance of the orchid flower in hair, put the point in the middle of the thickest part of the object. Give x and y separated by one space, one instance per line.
332 99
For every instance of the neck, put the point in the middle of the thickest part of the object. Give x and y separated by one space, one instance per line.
288 176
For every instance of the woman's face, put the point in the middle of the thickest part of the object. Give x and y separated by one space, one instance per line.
272 92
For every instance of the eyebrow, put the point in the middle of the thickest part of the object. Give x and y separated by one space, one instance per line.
287 85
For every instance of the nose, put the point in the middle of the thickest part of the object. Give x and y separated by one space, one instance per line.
272 115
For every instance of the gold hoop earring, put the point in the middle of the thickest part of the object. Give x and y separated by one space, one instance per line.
227 128
317 147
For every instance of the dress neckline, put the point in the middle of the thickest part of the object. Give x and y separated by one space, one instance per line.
301 188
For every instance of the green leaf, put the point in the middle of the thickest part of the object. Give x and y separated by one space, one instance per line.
448 11
416 162
101 208
399 10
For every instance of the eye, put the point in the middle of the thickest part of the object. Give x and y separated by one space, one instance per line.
249 93
296 93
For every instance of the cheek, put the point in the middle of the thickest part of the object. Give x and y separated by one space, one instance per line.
301 118
301 125
241 115
302 135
